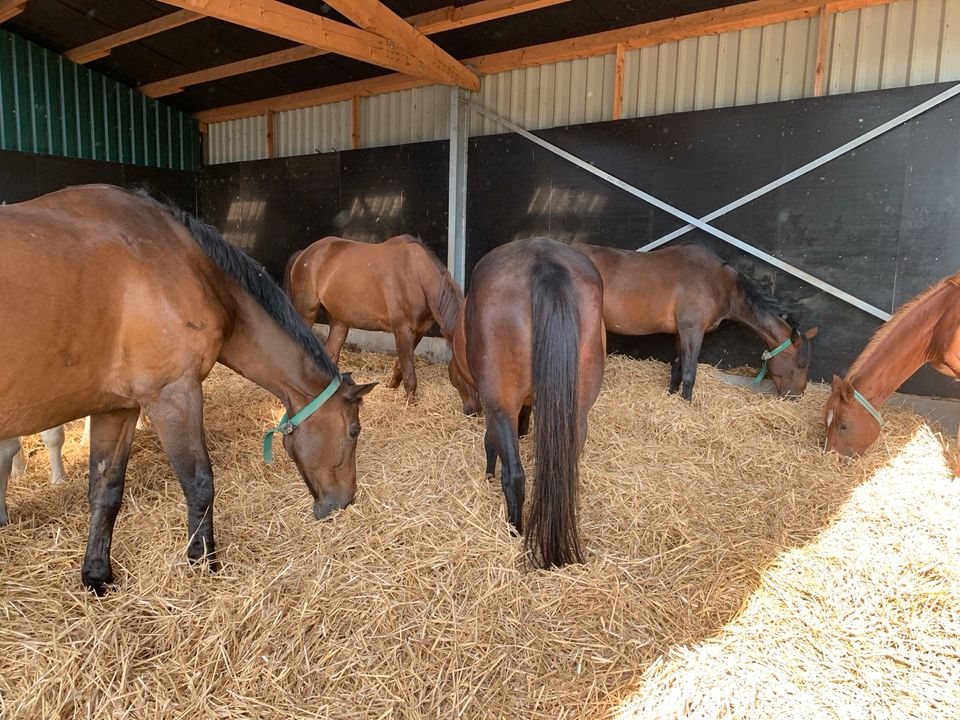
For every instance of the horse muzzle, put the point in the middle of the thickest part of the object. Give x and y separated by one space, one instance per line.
323 509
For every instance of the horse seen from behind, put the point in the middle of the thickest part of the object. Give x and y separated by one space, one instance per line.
396 286
688 291
531 336
122 303
925 330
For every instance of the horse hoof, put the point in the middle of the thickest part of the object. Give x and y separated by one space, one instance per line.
58 480
97 584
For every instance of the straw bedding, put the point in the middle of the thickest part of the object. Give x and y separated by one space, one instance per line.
733 570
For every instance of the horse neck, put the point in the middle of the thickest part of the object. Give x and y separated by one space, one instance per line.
769 326
443 297
897 351
264 353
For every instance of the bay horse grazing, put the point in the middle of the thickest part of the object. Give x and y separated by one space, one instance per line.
531 334
123 303
396 286
688 291
925 330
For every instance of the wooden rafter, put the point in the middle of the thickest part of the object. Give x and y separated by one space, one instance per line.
102 47
286 21
10 9
429 23
374 16
737 17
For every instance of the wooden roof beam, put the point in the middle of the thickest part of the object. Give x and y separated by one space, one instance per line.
429 23
737 17
10 9
374 16
286 21
102 47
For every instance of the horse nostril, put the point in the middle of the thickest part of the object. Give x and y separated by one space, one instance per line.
355 430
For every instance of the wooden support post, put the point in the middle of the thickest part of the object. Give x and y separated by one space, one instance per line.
356 121
822 30
618 82
269 133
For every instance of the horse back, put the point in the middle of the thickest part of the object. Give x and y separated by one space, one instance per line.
654 292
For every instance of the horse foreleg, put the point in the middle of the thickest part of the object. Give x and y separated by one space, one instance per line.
690 341
407 341
9 449
397 376
335 339
501 435
53 439
177 417
675 369
111 435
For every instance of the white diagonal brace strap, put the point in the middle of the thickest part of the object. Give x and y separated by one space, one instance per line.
686 217
813 164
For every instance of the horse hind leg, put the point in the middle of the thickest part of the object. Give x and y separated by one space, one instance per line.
53 439
501 437
676 368
9 449
111 435
335 339
407 342
690 341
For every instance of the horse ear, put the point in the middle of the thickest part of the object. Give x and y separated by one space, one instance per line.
842 387
355 392
347 378
812 332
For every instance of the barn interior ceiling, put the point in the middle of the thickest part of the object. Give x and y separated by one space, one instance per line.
201 55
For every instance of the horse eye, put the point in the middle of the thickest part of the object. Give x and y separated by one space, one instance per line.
355 430
843 427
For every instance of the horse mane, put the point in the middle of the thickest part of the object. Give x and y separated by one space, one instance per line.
894 322
448 301
759 301
253 278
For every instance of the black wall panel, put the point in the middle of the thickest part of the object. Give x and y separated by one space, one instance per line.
24 176
882 222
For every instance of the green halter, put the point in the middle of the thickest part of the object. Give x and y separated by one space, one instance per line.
868 407
767 354
287 426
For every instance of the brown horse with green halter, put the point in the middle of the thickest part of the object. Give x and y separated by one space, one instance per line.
115 302
925 330
396 286
531 335
688 291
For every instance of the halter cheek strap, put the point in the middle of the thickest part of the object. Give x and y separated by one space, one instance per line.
868 407
767 354
288 425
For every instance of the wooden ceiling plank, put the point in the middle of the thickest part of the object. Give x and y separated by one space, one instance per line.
376 17
286 21
11 8
752 14
436 21
239 67
452 17
319 96
101 48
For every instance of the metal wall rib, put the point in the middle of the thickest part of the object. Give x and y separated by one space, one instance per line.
49 105
901 44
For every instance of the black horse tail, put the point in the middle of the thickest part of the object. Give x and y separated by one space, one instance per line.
552 537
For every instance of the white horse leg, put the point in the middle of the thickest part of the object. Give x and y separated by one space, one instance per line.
19 465
53 439
8 450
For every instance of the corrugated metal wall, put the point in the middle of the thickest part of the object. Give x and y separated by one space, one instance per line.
49 105
237 140
896 45
321 128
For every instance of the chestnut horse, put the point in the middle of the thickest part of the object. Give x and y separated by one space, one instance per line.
925 330
688 291
531 332
116 302
396 286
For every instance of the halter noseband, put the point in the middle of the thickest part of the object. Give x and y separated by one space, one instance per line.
767 354
288 425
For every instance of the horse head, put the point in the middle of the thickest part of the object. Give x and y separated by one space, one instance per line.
468 393
851 427
324 448
789 369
